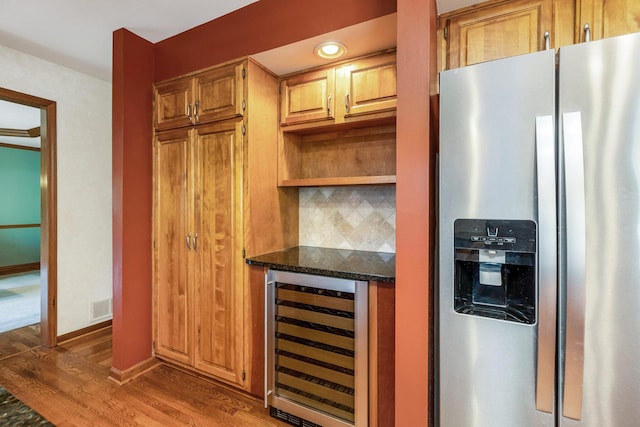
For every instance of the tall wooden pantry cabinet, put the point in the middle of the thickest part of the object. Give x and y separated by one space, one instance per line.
215 186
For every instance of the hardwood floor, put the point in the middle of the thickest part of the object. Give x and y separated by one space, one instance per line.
19 340
69 386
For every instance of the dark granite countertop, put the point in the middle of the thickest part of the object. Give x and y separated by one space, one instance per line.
342 263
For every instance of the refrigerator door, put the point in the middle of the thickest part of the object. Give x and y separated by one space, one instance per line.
491 168
599 119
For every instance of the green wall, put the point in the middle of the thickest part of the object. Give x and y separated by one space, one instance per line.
19 204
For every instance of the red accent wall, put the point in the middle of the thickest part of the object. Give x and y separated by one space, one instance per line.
132 179
257 27
415 154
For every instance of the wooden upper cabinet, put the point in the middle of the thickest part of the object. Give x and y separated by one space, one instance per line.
219 94
501 28
208 96
369 85
172 104
607 18
496 30
307 97
337 124
355 90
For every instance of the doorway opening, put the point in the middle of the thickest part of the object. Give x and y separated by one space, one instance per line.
48 214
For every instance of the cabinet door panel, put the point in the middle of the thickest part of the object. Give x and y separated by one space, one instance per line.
369 85
171 292
172 102
219 264
620 17
608 18
307 97
219 94
499 31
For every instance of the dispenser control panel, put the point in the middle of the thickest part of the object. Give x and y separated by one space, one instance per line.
488 240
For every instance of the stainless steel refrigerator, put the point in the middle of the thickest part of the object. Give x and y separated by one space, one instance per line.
539 239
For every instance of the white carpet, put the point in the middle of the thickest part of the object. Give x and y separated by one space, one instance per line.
19 300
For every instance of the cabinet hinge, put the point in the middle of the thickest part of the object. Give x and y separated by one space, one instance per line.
244 253
244 129
445 32
244 375
244 73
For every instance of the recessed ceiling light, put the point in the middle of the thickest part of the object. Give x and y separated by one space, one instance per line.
330 50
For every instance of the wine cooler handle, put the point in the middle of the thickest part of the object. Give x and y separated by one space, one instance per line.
576 265
547 259
268 331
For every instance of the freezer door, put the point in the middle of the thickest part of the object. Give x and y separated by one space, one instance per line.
497 166
599 120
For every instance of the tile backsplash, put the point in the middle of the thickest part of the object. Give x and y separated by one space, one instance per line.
358 217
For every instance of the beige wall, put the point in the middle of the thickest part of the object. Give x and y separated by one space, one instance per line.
84 178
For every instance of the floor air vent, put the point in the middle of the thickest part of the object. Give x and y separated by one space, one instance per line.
101 309
290 419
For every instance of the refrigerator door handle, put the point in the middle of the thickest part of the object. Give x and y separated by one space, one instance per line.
576 265
547 259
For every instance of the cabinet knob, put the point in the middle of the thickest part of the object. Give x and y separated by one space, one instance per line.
189 113
547 40
587 33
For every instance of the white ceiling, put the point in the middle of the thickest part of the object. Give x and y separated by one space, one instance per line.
78 33
370 36
443 6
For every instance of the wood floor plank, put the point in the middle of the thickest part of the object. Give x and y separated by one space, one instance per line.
19 340
69 386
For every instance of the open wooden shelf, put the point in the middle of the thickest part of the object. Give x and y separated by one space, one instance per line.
345 180
354 156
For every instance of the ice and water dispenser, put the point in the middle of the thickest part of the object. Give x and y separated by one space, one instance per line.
495 269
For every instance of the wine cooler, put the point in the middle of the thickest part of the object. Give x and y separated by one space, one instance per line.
316 350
